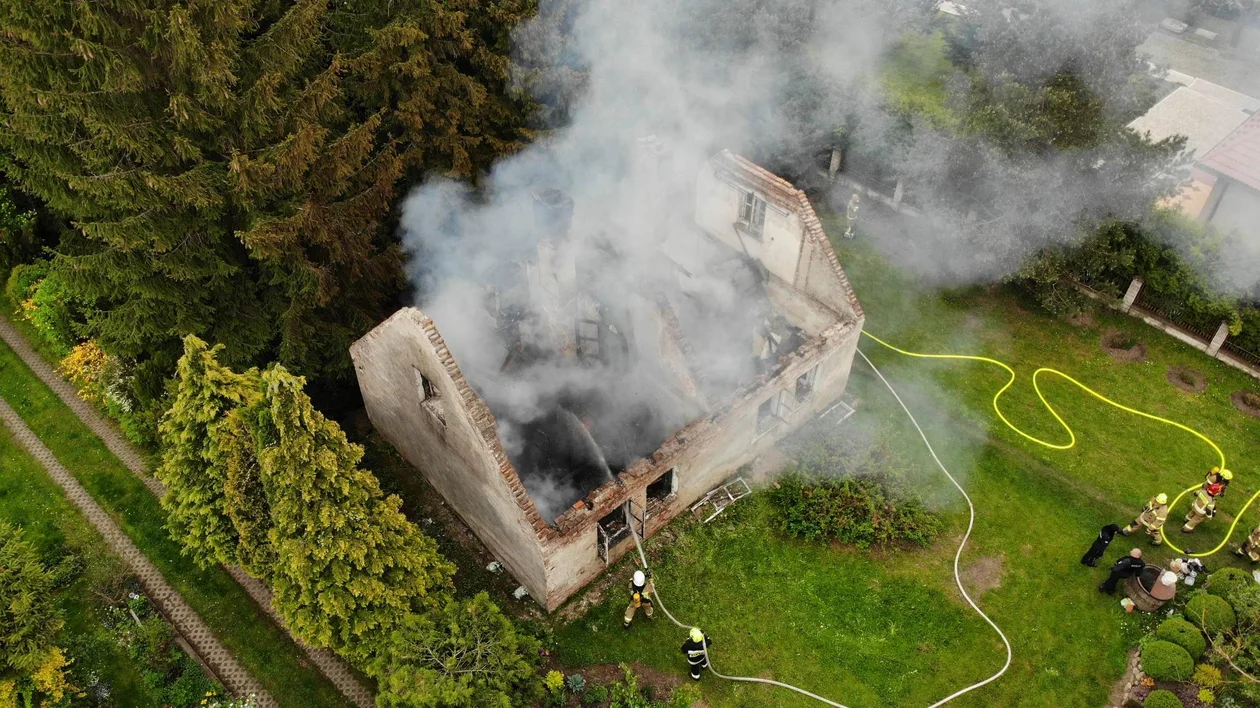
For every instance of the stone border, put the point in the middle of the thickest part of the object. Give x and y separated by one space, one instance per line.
206 646
330 665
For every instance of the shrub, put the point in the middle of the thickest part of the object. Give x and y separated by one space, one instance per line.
1206 696
1162 699
855 510
1224 581
1165 661
1210 613
576 683
1246 603
1183 634
1206 676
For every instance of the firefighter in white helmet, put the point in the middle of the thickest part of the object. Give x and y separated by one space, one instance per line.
1152 519
641 591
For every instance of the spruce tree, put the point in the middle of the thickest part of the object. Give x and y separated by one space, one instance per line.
29 617
193 465
348 564
229 166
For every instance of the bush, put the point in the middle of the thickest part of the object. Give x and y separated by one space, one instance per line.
1224 581
1165 661
1162 699
856 510
1210 613
1206 676
1183 634
41 297
1246 603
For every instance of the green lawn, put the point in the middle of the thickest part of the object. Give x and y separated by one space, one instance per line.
888 628
264 649
31 500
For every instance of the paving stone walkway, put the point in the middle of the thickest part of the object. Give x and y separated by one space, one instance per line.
329 664
187 622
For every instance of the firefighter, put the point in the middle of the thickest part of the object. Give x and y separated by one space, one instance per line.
1251 548
641 591
1152 519
1204 506
696 648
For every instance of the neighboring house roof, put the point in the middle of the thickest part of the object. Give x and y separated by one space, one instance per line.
1237 157
1202 111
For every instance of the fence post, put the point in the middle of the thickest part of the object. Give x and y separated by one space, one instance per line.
837 157
1135 287
1221 333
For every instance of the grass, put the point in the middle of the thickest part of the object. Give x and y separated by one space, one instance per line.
262 647
915 77
32 501
888 627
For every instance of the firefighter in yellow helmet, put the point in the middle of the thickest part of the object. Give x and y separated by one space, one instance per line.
1152 519
1251 548
697 650
1204 504
641 591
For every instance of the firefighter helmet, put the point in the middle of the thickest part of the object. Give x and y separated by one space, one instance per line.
696 635
1161 498
1227 475
638 578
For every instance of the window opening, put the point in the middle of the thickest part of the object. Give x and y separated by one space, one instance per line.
805 385
771 413
430 397
752 214
662 490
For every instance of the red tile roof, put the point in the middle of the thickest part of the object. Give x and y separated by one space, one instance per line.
1238 155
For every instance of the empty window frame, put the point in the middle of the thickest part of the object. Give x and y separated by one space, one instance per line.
752 214
430 398
771 412
805 385
663 488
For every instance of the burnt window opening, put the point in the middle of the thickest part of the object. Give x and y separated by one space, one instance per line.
662 489
430 398
752 214
805 385
770 413
613 528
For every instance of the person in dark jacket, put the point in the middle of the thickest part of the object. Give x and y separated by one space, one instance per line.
695 648
1126 567
1096 551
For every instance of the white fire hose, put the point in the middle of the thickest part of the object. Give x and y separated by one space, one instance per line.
957 577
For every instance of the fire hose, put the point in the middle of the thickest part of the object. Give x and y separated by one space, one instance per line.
957 579
1072 436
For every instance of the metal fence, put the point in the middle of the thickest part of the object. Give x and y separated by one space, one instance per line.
1240 353
1174 310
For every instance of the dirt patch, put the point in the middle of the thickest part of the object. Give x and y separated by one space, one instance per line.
660 683
1247 401
1122 346
1187 692
1187 379
983 574
1084 319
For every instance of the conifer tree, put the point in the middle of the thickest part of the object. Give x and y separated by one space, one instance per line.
348 564
194 458
29 619
229 166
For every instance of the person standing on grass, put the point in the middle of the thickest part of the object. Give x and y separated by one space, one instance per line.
1251 548
1096 551
697 650
1204 506
1152 519
1126 567
640 596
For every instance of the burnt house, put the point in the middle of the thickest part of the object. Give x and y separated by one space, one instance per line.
671 376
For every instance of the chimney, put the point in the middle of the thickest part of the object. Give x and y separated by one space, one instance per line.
553 213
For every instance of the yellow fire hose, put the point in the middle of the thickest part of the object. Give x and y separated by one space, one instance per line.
997 408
